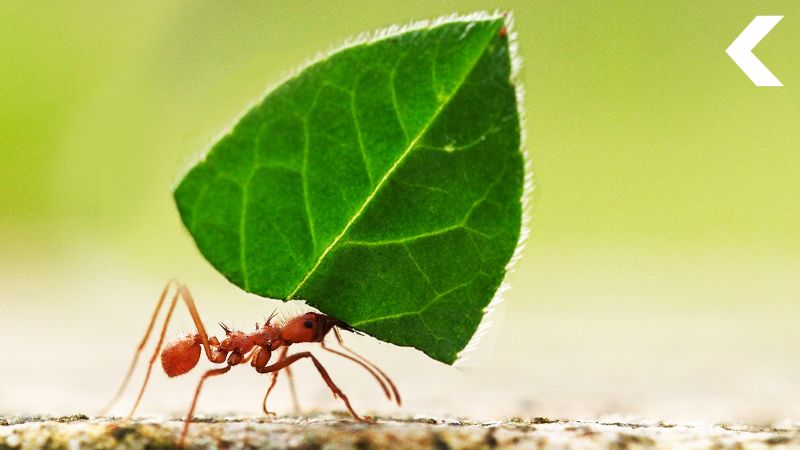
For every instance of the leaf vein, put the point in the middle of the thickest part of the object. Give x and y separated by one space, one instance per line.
304 177
418 312
386 176
288 244
424 186
434 76
406 239
395 105
361 148
200 195
455 148
243 230
243 212
419 269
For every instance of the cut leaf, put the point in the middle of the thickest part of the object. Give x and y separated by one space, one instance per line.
382 185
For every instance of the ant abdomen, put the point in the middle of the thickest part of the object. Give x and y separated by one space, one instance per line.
181 356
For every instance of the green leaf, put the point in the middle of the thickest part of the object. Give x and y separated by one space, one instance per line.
382 185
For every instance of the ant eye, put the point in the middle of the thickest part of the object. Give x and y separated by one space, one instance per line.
308 324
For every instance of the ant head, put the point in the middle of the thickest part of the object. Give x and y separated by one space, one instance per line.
310 327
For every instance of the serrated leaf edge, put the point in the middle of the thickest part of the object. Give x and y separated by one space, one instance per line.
475 353
362 38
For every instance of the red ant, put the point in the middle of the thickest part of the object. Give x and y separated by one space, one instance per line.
238 347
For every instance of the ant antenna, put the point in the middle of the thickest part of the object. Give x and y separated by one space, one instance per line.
225 328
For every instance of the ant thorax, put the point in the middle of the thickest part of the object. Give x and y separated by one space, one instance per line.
241 342
237 343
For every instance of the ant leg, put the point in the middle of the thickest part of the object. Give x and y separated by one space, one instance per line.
368 369
292 390
182 293
323 373
248 357
198 323
190 414
139 349
153 358
273 380
289 377
373 366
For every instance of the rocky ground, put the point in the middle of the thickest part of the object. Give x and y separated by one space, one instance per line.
338 432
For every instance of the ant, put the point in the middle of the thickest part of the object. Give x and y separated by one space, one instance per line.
239 347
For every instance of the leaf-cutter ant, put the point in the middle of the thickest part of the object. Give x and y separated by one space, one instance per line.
239 347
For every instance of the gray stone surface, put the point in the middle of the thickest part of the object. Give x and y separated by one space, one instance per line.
337 432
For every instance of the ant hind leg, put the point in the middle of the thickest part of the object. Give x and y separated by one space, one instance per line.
140 347
181 292
210 373
153 358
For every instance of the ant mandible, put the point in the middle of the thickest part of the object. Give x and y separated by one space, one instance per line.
238 347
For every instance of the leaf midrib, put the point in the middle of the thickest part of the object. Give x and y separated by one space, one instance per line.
392 169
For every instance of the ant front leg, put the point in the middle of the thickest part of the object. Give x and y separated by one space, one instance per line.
274 380
366 364
362 364
323 373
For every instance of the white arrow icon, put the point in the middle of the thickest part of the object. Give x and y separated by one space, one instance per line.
741 50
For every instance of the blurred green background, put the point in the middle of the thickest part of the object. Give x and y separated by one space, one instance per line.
660 277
